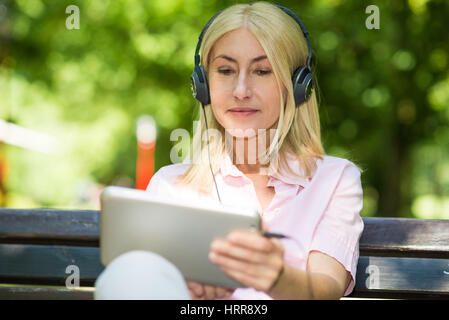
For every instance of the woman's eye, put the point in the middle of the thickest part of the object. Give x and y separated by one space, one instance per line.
262 72
225 71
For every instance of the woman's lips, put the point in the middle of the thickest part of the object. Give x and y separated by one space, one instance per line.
242 112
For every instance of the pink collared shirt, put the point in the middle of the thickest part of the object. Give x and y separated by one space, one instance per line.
321 214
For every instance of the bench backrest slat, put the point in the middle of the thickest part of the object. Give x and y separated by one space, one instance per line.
401 236
381 236
406 276
49 226
47 265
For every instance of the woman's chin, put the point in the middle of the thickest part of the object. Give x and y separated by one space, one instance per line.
239 132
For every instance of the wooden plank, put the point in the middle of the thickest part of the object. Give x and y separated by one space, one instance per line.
381 236
47 265
49 226
405 237
30 293
402 277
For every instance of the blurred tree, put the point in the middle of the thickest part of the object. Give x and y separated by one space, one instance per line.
384 93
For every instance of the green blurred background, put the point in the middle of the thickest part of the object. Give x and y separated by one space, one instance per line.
384 94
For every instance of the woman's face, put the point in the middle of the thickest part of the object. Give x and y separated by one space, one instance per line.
243 88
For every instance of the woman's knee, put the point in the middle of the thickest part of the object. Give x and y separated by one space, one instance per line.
141 275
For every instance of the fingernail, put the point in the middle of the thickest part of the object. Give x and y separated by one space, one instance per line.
215 245
212 256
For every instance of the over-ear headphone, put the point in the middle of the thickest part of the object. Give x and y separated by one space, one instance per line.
302 77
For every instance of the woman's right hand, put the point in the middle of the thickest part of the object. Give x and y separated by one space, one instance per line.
199 291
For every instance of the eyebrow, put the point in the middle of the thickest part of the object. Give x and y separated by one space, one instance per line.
233 60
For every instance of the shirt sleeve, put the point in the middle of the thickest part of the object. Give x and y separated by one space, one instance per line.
154 184
162 183
159 184
338 232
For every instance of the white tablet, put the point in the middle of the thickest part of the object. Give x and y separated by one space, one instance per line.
133 219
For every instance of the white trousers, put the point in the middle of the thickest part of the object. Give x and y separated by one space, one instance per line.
141 275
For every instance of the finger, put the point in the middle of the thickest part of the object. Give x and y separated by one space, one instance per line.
277 243
209 292
239 265
226 296
193 296
264 225
196 287
258 283
235 251
221 292
224 293
192 285
251 240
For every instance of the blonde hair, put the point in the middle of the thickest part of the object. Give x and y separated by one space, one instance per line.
298 129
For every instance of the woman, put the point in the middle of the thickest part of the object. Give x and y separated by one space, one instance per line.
249 53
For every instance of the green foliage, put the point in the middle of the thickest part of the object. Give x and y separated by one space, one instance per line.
385 93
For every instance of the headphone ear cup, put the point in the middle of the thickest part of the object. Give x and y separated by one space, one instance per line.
302 84
200 87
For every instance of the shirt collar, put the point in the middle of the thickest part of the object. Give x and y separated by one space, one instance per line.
227 168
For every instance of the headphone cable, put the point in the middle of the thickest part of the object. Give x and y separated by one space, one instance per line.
264 233
208 153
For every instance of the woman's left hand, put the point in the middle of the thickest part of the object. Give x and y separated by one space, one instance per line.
250 258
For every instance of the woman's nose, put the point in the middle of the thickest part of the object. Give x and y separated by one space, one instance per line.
242 90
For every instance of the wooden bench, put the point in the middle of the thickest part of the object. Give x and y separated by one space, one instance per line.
399 258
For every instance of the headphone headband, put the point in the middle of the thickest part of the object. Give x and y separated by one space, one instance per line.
286 10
